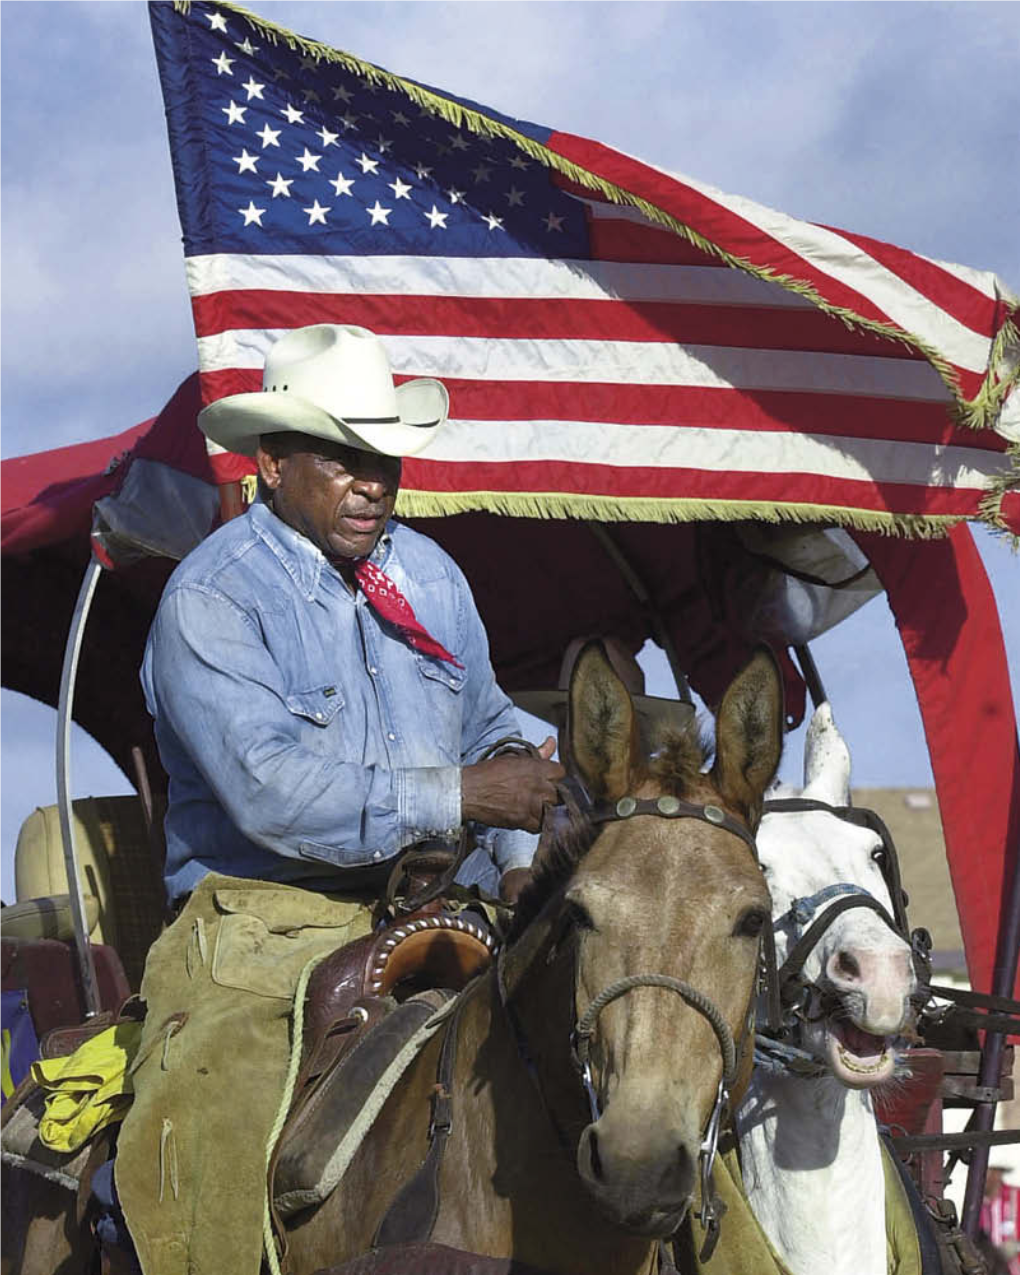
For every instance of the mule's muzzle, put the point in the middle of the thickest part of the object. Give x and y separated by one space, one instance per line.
646 1193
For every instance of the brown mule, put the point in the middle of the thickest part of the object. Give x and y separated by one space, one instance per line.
642 884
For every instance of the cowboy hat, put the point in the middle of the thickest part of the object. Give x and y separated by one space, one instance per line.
331 381
655 713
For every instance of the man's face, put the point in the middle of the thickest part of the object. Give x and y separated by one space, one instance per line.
338 497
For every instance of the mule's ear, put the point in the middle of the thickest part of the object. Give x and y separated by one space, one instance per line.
601 726
749 733
826 760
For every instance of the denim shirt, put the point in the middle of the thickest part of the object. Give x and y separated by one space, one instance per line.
302 737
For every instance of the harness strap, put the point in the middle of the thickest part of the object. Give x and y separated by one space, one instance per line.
670 808
790 970
413 1212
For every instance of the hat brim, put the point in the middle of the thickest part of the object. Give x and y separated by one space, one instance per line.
236 423
656 712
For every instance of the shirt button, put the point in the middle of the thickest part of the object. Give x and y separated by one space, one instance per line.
391 735
320 717
373 670
377 855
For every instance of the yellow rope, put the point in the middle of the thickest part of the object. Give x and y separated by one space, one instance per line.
297 1041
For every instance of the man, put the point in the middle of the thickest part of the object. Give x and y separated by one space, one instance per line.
321 687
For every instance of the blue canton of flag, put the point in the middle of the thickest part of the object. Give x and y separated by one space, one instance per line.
298 154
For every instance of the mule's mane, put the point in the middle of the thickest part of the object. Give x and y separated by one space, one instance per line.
568 833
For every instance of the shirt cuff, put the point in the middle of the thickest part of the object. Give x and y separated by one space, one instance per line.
428 803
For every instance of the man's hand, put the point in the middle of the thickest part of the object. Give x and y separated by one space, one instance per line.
511 791
511 883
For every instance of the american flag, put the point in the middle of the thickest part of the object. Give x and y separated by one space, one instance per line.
619 342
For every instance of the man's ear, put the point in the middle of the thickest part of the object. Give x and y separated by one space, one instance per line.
269 467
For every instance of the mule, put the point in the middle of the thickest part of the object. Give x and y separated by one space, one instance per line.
638 937
809 1144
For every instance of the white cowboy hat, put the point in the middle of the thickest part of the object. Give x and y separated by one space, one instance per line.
331 381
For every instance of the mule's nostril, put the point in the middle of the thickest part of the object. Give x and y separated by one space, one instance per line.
593 1155
846 964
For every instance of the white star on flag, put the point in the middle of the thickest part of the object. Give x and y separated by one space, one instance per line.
515 197
217 22
400 118
281 185
552 222
269 136
436 218
458 142
422 172
349 121
234 113
379 214
246 46
455 196
367 165
309 95
328 138
518 161
400 189
341 94
383 144
294 116
246 163
341 184
493 222
223 64
316 213
252 214
481 173
308 63
253 89
308 161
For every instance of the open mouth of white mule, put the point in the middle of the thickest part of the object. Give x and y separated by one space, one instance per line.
858 1058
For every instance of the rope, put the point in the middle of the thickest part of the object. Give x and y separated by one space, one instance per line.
294 1066
697 1000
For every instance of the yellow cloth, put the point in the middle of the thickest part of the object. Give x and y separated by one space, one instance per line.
88 1089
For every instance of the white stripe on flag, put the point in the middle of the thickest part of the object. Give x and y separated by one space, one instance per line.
723 450
617 362
526 278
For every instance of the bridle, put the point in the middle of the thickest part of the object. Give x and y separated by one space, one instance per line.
787 991
665 807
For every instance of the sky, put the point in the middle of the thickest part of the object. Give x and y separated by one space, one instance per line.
892 120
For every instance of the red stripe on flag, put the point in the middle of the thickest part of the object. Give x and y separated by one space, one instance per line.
658 484
827 415
727 326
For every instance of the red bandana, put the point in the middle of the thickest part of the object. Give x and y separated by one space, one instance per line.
387 600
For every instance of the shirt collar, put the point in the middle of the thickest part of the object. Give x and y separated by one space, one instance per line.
303 561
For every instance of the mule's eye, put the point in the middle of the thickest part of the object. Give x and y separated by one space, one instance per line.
751 924
576 916
878 856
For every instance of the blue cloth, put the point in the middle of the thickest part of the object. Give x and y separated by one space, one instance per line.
305 742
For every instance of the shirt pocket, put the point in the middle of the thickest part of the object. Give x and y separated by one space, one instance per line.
318 705
265 938
441 685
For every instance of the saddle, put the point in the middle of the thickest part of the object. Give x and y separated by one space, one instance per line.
370 1007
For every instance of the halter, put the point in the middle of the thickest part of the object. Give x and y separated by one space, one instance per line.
665 807
787 988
